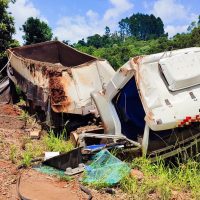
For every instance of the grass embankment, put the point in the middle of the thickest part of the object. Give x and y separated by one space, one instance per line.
36 148
161 181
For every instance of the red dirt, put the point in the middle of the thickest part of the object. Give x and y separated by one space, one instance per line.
34 185
8 109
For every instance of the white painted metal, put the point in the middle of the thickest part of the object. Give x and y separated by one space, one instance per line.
182 70
85 80
145 140
103 100
165 109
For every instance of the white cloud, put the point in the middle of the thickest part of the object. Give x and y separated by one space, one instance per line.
169 10
119 7
175 15
172 30
78 27
21 10
92 14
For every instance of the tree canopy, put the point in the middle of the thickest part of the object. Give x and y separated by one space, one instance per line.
118 50
142 26
7 30
36 31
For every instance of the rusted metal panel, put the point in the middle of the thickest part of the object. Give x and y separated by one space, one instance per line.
65 75
33 92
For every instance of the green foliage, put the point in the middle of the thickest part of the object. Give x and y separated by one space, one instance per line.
117 48
141 26
57 143
34 149
26 158
24 116
118 51
36 31
162 180
7 30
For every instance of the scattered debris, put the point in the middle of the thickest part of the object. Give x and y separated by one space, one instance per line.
63 161
93 148
49 155
105 170
110 191
35 134
69 171
84 189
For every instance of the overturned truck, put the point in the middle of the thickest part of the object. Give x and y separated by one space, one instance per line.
152 102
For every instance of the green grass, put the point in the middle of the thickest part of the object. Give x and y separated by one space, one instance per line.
33 149
24 116
37 148
163 180
57 143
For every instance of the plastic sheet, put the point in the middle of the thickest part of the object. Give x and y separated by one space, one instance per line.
105 170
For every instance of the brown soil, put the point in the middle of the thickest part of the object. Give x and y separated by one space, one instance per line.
8 109
34 185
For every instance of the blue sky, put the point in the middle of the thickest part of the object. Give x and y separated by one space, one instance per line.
76 19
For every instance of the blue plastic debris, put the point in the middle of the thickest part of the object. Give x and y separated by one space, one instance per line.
93 148
105 170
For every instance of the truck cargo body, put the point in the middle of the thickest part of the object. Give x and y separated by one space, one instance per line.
55 72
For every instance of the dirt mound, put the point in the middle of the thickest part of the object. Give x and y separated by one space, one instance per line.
8 109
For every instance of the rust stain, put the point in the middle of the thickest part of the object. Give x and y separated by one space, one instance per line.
138 78
126 71
59 99
30 67
136 60
54 72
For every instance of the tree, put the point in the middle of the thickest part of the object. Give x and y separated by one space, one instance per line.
36 31
124 29
95 41
67 42
82 42
141 26
198 23
107 31
7 30
55 38
195 37
192 26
